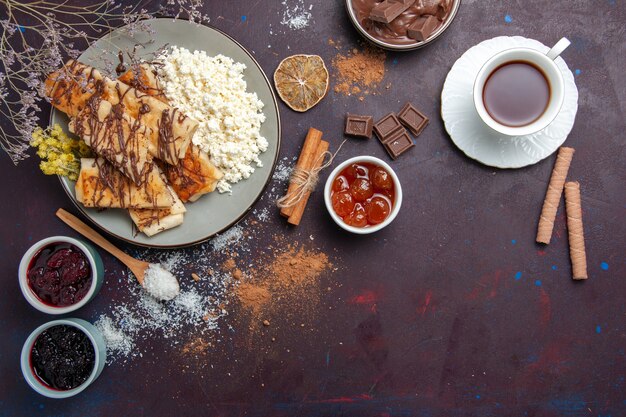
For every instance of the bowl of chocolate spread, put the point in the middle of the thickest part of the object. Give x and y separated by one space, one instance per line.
402 25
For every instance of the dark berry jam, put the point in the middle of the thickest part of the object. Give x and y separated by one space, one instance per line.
363 194
60 274
62 357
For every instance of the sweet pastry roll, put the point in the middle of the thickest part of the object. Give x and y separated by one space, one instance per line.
101 185
70 88
115 136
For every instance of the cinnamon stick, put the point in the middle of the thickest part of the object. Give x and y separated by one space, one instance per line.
305 162
575 230
298 209
553 194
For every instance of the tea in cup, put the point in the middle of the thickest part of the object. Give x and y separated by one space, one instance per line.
520 91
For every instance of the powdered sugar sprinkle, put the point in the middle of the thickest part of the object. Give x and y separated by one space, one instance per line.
160 283
296 15
135 320
142 317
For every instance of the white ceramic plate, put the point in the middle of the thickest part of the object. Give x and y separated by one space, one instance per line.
212 213
483 144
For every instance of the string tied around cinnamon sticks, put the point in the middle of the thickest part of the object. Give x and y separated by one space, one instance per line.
305 175
306 180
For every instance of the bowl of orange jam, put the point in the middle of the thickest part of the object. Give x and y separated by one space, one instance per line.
363 194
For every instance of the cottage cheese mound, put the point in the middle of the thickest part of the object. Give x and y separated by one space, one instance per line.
212 91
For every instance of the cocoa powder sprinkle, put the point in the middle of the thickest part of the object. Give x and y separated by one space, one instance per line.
359 71
253 297
293 273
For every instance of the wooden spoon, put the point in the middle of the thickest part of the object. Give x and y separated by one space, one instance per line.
137 267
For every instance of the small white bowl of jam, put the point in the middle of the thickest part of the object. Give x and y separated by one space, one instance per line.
363 194
62 358
60 274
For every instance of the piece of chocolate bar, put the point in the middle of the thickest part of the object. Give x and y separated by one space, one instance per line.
387 127
407 3
422 28
437 8
413 119
387 11
398 144
359 126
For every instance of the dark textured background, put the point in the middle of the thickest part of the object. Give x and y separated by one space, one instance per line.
429 318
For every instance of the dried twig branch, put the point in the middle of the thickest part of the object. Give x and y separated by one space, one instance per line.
39 35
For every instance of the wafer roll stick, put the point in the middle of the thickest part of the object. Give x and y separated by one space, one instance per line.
575 230
553 195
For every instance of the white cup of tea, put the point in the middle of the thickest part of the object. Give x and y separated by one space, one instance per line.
520 91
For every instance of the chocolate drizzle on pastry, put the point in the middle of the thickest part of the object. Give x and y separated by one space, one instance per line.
113 135
121 67
73 85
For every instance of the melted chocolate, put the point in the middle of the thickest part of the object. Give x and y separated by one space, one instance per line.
141 83
76 77
395 33
121 67
108 180
120 146
166 134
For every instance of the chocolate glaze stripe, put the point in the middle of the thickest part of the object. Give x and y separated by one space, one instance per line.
115 136
71 86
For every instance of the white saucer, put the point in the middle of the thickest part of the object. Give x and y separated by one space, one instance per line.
478 141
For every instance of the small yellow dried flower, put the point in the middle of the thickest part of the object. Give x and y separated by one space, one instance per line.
60 153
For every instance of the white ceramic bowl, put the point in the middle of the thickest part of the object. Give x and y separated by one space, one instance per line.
97 277
396 203
100 357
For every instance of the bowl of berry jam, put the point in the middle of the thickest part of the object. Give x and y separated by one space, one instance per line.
63 357
60 274
363 194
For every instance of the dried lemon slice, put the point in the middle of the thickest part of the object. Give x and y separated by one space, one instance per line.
301 81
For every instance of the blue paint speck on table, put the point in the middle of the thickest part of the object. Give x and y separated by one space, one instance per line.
21 28
508 18
477 397
598 329
395 61
538 283
554 267
244 18
604 266
513 241
577 71
518 275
